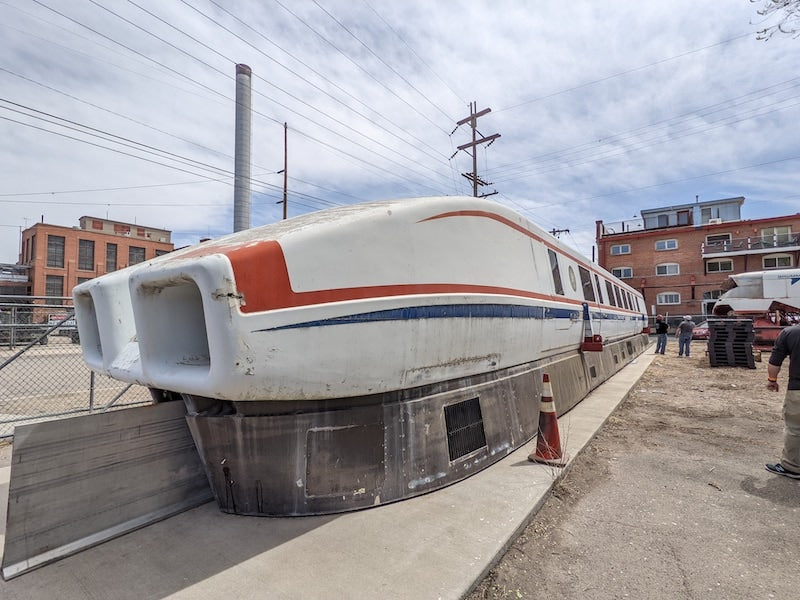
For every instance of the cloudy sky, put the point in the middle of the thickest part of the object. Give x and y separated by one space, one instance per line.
125 109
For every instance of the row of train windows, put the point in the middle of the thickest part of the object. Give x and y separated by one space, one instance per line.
615 296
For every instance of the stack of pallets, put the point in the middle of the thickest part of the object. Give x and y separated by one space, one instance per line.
730 343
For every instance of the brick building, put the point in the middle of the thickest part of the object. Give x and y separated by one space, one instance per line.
59 258
680 256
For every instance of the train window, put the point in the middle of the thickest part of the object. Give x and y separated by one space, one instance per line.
625 299
610 290
630 299
586 284
619 298
572 281
599 289
559 287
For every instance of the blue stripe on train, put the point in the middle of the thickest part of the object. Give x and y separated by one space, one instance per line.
452 311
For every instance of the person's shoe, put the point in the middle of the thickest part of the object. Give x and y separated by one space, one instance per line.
778 469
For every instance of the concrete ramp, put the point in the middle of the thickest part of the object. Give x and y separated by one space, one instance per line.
79 482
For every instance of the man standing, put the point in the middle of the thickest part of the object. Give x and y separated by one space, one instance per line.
684 333
661 334
787 344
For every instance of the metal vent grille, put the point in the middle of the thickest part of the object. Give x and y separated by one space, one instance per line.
465 432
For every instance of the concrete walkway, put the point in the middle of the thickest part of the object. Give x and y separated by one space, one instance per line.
435 546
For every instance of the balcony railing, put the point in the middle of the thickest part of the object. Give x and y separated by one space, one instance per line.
633 224
756 244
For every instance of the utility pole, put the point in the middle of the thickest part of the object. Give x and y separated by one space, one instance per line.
472 119
558 232
285 172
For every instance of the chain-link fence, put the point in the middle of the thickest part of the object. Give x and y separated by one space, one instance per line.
42 373
673 320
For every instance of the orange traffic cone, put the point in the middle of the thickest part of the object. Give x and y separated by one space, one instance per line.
548 442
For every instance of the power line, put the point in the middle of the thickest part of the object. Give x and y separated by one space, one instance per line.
110 137
317 73
387 65
674 181
407 45
648 143
627 72
136 52
108 189
662 124
362 69
194 81
300 100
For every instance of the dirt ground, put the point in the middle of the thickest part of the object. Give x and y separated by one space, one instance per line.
671 498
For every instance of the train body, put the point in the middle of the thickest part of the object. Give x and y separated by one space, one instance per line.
361 354
351 301
770 298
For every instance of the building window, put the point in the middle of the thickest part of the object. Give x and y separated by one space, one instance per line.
683 217
54 285
620 249
666 244
586 283
55 251
668 298
111 258
161 252
83 280
33 247
777 261
776 236
135 255
559 287
719 266
86 255
622 272
663 220
668 269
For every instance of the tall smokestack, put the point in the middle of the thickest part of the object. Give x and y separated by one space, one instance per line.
241 182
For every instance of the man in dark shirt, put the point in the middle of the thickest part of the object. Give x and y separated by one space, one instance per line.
787 344
661 335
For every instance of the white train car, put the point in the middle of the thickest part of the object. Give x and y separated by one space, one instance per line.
362 354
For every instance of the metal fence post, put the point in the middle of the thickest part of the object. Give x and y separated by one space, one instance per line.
91 391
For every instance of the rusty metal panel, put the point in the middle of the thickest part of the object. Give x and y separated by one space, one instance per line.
78 482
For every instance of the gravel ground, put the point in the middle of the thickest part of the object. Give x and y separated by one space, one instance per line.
671 498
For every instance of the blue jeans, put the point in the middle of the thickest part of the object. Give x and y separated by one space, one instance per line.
661 343
683 344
